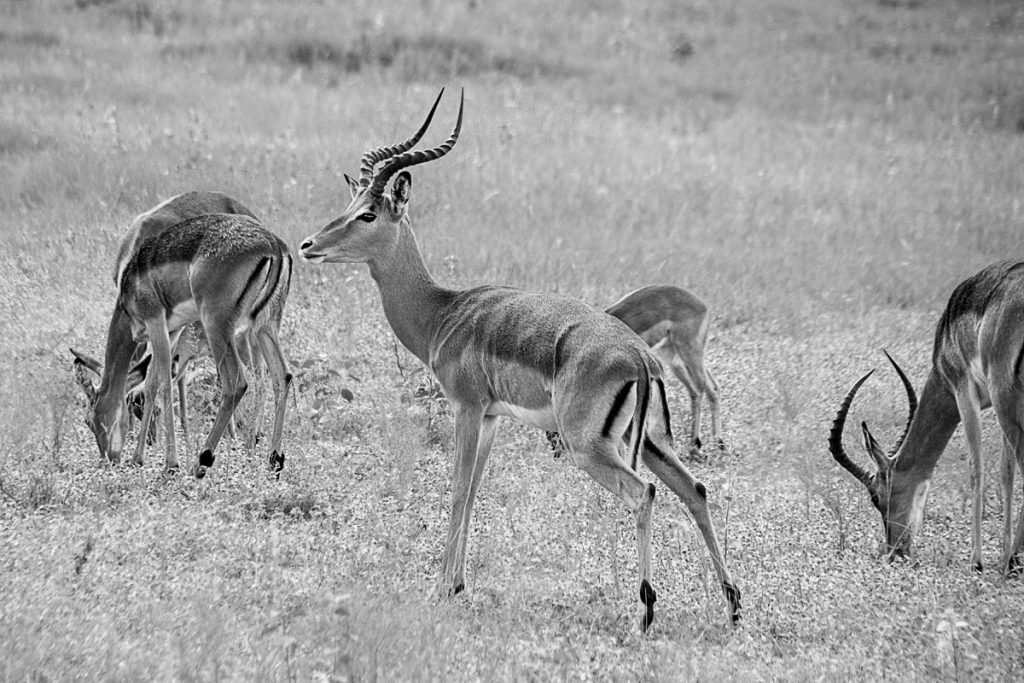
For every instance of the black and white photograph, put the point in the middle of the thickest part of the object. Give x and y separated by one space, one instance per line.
534 340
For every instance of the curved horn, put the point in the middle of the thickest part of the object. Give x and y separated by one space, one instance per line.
407 159
911 399
375 156
835 436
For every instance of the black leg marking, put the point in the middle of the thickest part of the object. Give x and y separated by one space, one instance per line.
701 491
457 588
696 443
277 461
205 462
977 567
648 597
732 594
206 458
1015 566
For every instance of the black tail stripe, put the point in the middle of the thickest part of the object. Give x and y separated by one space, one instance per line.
620 398
644 387
272 277
664 406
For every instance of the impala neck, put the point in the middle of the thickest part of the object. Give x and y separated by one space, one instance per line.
117 359
933 424
412 298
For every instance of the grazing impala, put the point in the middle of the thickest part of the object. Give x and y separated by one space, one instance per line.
674 323
547 360
976 363
224 270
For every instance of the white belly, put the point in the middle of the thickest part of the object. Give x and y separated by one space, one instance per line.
541 418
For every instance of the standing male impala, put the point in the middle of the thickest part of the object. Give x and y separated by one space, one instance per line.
549 361
976 363
224 270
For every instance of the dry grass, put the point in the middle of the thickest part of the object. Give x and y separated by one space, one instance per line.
823 173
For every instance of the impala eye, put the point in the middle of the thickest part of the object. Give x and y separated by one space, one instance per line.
367 217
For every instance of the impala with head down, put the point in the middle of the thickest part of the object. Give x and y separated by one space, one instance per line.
186 261
976 364
547 360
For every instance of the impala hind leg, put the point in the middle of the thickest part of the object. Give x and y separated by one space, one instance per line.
282 379
1013 563
968 404
662 460
712 392
233 385
159 389
601 461
474 435
672 357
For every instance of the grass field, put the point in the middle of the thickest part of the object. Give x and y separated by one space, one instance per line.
822 172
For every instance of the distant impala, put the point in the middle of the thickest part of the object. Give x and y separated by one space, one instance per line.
222 269
547 360
976 363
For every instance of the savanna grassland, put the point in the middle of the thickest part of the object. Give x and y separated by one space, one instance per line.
822 172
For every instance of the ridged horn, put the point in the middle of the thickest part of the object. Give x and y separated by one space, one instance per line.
911 400
406 159
375 156
835 437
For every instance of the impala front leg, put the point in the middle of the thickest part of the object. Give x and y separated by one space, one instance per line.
159 388
474 434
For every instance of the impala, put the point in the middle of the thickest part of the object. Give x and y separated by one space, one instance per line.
976 364
549 361
224 270
127 361
674 323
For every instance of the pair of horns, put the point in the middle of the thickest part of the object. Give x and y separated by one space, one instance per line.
399 157
835 439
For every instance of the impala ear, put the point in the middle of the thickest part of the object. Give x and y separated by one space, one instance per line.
81 364
353 186
401 189
874 450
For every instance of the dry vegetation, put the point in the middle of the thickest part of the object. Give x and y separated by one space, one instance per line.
823 172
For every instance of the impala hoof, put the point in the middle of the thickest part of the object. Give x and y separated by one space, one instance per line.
977 567
732 594
648 597
172 468
276 461
1015 566
200 472
456 589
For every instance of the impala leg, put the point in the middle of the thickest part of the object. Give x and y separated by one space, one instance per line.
282 378
662 460
671 358
1011 558
159 389
711 391
969 406
232 385
474 434
602 462
183 396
